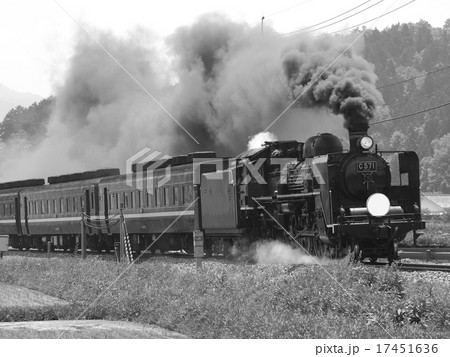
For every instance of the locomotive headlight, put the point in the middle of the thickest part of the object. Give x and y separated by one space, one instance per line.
378 205
366 142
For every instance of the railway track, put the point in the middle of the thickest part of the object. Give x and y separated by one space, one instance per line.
441 254
425 253
424 267
415 267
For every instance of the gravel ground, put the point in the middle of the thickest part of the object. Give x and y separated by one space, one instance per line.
84 329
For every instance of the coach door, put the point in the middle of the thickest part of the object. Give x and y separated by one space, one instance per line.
17 214
94 203
24 223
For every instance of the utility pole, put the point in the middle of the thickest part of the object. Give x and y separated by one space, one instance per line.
122 236
198 233
262 24
83 238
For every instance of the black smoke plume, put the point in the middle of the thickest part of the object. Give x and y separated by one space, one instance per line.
223 81
347 87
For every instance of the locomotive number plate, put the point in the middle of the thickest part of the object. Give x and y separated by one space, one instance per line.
367 166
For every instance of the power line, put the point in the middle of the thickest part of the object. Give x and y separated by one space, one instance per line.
365 22
334 23
286 9
411 114
415 77
335 17
428 95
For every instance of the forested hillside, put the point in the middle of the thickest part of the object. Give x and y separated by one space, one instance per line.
26 125
412 62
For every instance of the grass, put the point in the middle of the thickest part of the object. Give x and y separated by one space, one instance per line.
436 233
236 301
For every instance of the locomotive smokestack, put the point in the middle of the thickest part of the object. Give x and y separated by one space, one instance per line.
355 132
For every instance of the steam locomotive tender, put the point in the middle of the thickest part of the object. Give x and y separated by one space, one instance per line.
312 194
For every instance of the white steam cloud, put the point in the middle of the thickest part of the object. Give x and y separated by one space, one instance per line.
258 140
275 252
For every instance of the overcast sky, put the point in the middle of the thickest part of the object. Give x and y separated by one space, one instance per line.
37 37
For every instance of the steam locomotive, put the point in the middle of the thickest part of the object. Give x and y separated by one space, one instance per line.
312 194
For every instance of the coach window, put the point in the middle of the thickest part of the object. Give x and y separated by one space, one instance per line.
182 195
125 200
175 195
48 206
187 194
166 196
132 199
92 200
185 191
117 200
54 206
155 195
140 194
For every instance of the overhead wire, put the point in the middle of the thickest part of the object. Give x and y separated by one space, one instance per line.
411 114
286 9
414 77
335 17
365 22
334 23
428 95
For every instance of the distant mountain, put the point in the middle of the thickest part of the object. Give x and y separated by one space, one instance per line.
10 99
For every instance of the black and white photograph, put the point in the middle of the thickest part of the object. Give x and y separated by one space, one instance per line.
228 172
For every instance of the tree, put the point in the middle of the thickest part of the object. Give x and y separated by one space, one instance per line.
424 37
27 123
